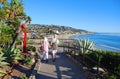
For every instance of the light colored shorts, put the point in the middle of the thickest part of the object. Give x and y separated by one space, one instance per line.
54 51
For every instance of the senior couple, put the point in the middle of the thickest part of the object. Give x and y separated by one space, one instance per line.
45 48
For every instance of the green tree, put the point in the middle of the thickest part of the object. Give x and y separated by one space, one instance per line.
6 35
12 14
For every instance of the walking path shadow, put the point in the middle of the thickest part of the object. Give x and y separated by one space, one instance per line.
62 68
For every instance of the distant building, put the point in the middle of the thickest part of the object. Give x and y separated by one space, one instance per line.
57 31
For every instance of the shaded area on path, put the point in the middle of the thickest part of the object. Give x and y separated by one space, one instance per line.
62 68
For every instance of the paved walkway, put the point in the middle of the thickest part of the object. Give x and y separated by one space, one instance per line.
62 68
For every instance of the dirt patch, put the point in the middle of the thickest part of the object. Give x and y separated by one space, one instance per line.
17 72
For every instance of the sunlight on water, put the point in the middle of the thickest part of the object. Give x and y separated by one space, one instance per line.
105 41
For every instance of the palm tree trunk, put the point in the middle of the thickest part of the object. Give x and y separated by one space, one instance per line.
15 37
16 34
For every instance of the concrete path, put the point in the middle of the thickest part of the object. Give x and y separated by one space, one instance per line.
62 68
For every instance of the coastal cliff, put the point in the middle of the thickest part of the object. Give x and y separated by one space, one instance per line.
62 29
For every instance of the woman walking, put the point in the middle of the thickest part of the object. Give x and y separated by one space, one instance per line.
45 49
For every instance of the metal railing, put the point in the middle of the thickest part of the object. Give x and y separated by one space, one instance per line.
98 60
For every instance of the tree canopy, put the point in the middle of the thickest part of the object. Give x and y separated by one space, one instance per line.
12 15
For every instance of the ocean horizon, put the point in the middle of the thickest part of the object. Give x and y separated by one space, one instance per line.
104 41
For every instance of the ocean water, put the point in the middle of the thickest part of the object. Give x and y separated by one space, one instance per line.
104 41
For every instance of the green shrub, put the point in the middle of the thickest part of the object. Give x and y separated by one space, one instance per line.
18 41
31 48
28 61
84 45
24 77
109 76
93 56
110 60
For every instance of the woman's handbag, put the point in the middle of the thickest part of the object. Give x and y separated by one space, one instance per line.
42 48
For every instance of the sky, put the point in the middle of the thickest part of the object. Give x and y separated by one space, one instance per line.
90 15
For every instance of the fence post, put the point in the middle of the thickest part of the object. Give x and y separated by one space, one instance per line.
98 63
